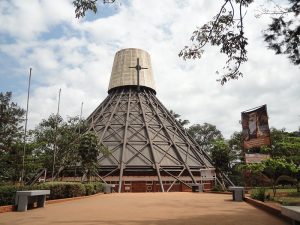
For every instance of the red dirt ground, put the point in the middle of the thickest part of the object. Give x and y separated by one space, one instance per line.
177 208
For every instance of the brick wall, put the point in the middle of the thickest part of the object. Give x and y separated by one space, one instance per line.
149 186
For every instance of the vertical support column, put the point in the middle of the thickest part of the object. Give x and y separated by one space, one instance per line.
124 143
151 144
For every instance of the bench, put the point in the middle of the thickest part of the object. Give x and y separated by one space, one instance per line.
238 193
109 188
197 187
23 198
292 212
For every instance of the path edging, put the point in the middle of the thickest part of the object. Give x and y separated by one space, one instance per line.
275 211
219 192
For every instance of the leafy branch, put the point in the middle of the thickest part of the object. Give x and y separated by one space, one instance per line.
81 6
224 31
283 34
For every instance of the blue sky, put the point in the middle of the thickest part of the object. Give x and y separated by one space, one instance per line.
77 56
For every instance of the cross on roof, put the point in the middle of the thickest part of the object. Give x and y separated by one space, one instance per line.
138 68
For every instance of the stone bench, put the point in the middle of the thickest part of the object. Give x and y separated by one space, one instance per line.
197 187
23 198
109 188
292 212
238 193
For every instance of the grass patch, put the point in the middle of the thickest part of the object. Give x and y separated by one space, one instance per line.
288 200
284 196
278 191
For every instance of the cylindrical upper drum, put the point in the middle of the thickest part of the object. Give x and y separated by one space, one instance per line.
122 75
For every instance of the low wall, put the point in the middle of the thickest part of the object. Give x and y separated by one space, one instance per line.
272 209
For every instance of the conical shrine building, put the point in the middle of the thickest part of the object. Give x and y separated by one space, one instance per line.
149 150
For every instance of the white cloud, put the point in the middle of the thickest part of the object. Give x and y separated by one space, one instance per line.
79 56
26 20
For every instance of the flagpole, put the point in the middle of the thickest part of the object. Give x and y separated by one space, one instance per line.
25 132
55 143
80 116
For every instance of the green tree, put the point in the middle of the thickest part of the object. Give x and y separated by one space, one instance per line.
226 30
274 170
205 135
283 34
285 145
11 163
81 6
63 137
177 117
235 143
222 158
32 160
11 118
89 149
221 155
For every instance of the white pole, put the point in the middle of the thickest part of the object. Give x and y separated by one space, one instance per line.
80 116
25 132
55 144
79 131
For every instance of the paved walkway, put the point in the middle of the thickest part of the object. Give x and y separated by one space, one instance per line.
145 208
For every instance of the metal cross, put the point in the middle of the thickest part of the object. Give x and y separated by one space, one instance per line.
138 68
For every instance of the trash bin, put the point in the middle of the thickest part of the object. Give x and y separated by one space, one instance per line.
238 193
197 187
108 188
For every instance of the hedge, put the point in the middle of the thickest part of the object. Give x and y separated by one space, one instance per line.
8 193
58 190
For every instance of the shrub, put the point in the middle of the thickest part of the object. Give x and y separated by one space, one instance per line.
99 187
8 193
89 189
93 188
259 194
217 188
62 189
57 190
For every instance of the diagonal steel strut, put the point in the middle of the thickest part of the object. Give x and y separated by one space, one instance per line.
157 167
124 144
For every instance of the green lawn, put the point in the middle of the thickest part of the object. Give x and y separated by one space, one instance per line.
284 196
278 190
282 190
